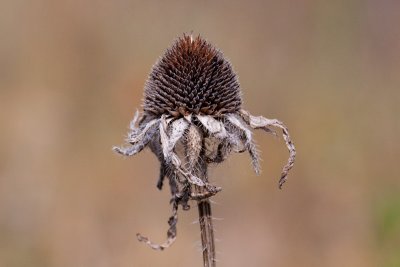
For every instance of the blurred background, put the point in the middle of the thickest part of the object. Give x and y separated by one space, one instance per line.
71 78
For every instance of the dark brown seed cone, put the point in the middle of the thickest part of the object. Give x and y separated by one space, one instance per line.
192 77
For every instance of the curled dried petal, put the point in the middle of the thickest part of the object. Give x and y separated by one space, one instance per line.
171 233
257 122
214 126
248 143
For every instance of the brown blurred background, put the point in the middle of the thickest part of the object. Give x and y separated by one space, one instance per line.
71 77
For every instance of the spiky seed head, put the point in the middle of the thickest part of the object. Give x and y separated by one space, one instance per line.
192 77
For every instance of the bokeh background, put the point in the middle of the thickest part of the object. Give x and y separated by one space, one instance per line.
71 78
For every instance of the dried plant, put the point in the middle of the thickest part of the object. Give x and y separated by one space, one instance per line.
193 117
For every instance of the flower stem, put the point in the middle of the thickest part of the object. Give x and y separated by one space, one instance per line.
207 233
205 216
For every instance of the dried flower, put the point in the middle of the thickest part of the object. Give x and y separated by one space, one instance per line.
192 99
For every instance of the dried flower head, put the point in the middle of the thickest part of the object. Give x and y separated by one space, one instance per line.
192 99
192 77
